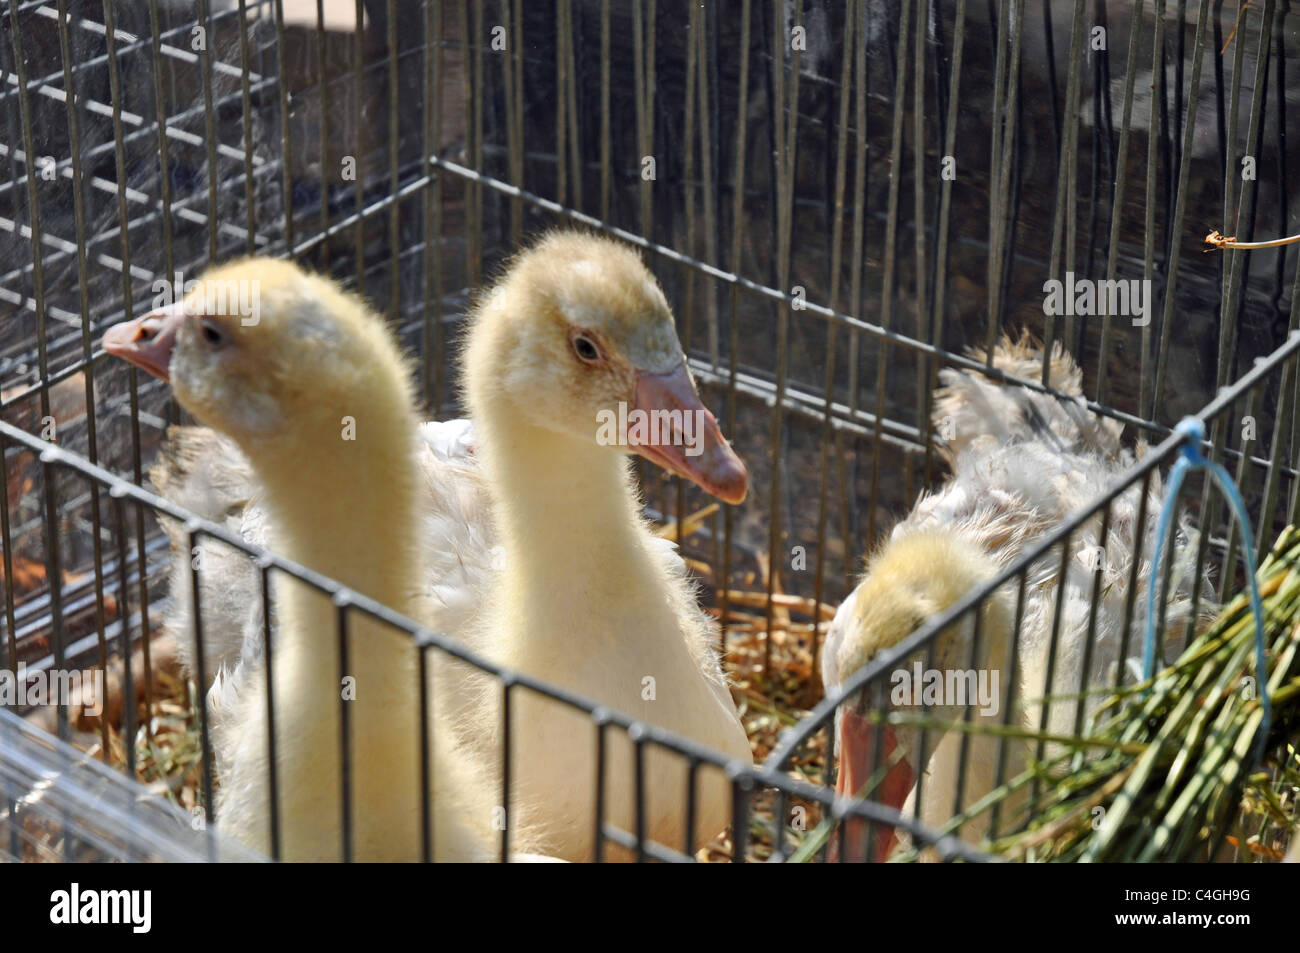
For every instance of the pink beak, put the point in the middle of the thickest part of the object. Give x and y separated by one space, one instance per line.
857 737
706 459
147 342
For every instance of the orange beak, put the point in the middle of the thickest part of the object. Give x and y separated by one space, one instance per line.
693 447
857 740
147 342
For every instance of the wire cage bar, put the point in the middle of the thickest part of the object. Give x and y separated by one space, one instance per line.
841 200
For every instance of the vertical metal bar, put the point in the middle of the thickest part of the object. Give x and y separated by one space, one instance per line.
13 132
1294 513
1103 162
688 180
1140 532
858 253
1117 199
506 711
394 177
606 135
1272 477
1012 667
692 804
651 91
599 718
1099 573
1063 219
561 82
322 78
778 825
737 218
847 468
741 789
890 258
1281 152
472 30
282 81
636 734
426 742
33 206
1180 207
358 97
1236 264
88 367
997 212
116 494
963 756
1165 584
571 91
209 127
1243 475
1181 20
341 604
432 343
323 83
941 245
164 167
268 670
1211 502
1053 645
200 666
1009 185
643 59
110 37
1146 372
836 240
923 751
510 64
6 534
54 576
1228 145
919 174
837 812
787 128
518 77
10 801
141 555
245 97
708 166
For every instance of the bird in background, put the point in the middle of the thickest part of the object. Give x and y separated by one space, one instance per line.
1022 462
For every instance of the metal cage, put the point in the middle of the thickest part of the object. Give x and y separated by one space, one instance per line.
839 198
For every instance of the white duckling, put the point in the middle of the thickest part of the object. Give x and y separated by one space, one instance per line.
316 394
576 334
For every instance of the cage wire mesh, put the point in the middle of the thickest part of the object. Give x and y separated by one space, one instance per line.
840 199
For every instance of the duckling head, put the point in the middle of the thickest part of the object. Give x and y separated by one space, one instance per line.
261 349
577 338
913 578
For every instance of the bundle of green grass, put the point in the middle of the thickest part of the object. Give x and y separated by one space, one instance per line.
1175 768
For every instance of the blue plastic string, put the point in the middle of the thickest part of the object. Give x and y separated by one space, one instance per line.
1192 431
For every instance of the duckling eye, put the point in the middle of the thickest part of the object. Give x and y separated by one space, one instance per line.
212 334
585 348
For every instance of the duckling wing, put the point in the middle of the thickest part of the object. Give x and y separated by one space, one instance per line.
462 546
970 405
204 472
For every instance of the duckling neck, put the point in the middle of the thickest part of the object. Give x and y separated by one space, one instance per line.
348 508
566 507
580 570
